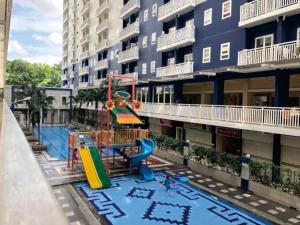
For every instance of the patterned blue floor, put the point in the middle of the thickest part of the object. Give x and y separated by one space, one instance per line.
57 140
132 201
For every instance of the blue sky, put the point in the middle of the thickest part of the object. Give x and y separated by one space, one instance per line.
36 31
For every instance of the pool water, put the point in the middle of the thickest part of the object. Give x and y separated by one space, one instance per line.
133 201
57 140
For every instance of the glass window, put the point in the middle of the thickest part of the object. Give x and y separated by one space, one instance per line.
153 67
207 17
163 94
206 55
144 68
188 57
50 100
153 38
146 15
226 9
264 41
225 51
64 100
154 10
145 39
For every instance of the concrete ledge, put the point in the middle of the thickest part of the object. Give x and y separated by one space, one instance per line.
169 156
25 196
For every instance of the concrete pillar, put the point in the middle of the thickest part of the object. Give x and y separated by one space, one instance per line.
245 93
178 92
150 93
58 116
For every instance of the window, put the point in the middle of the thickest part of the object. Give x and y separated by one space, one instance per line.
188 57
207 17
264 41
163 94
144 68
64 100
145 39
226 9
154 10
206 55
50 100
146 15
153 38
152 66
225 51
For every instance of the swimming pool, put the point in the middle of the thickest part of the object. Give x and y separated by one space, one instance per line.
133 201
57 140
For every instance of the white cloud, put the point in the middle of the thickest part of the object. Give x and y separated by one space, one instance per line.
53 38
16 47
56 38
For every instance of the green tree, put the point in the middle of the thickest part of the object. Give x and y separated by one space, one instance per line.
20 72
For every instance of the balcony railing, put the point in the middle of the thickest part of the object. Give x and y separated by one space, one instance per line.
267 119
83 84
85 8
84 54
72 74
134 75
63 77
102 8
131 6
174 7
102 64
102 45
130 30
84 70
273 53
263 11
84 24
175 69
129 55
102 26
180 38
97 82
84 39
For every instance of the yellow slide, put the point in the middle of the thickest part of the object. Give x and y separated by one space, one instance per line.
90 169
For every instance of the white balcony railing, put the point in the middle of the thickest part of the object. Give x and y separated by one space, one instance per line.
63 77
84 24
267 119
262 11
84 54
84 70
85 8
173 8
102 8
130 30
83 84
102 26
84 39
134 75
102 45
180 38
129 55
102 64
175 69
97 82
131 6
273 53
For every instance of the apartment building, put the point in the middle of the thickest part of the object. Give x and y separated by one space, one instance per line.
219 73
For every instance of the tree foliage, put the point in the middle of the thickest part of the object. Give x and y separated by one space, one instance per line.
20 72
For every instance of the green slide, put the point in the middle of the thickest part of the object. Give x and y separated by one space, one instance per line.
100 167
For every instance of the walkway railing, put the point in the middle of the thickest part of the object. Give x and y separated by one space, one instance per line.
270 116
259 7
273 53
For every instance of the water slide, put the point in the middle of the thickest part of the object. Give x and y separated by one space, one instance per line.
94 168
125 116
147 147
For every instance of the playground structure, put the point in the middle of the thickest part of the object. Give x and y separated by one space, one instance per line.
129 142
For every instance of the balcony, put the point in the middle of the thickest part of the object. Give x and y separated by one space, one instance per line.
102 8
264 119
102 45
102 27
133 75
174 7
129 55
274 53
66 5
132 6
84 55
85 8
176 39
175 69
83 84
71 74
97 82
263 11
84 24
71 86
84 70
63 77
130 30
84 39
102 64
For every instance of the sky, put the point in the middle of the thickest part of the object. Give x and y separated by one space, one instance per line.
36 31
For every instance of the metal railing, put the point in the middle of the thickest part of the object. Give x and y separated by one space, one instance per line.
177 38
259 7
273 53
129 55
102 64
175 69
270 116
130 7
174 7
131 29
